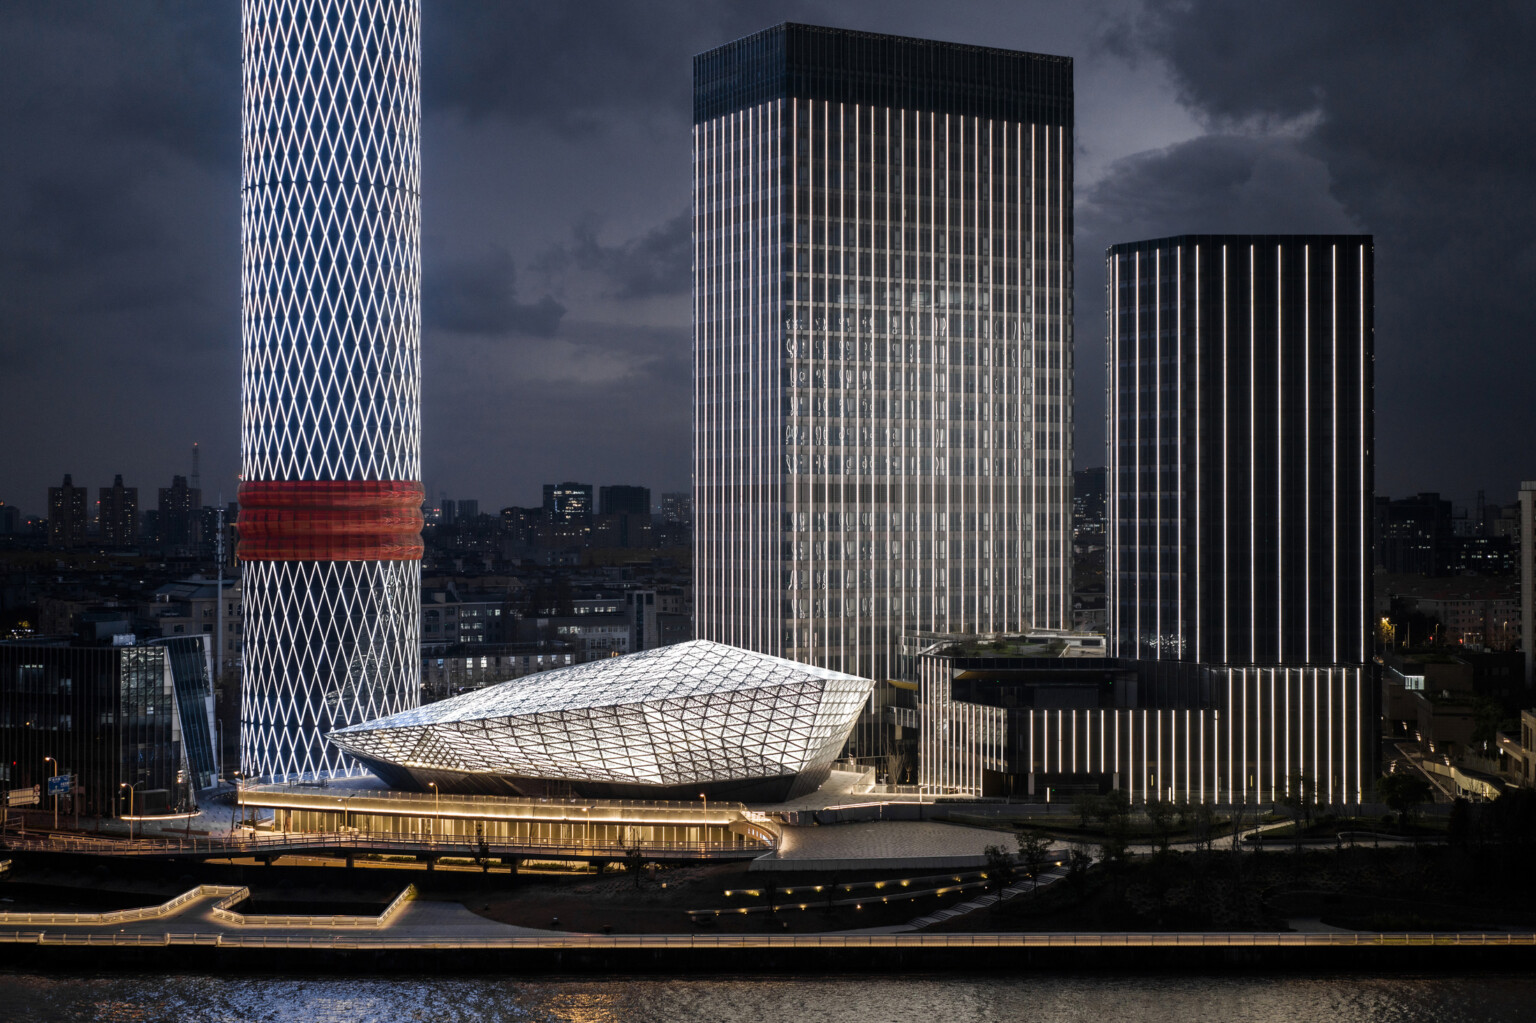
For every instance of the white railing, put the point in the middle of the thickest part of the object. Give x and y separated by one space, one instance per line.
121 916
223 912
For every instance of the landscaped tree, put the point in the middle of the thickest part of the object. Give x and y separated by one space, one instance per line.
1079 859
1403 791
1160 812
999 870
1298 800
1202 817
1086 804
1237 826
1034 853
1113 807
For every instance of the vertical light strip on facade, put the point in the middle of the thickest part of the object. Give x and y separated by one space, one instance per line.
1333 409
1364 493
1253 467
1280 502
1139 494
1226 470
1198 653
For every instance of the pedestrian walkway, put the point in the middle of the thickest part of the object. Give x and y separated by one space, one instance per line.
1046 879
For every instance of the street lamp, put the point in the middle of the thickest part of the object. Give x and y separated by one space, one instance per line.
237 807
437 805
55 764
130 788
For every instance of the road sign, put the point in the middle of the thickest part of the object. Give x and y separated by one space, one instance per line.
24 797
59 785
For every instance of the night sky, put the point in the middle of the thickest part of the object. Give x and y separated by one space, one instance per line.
556 193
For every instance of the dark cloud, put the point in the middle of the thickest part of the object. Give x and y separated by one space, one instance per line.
659 262
1212 184
1414 115
556 141
157 78
599 403
576 67
478 295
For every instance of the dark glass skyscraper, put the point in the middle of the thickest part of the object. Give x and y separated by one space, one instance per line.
882 343
1241 451
1241 497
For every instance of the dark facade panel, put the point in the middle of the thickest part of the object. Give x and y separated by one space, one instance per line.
1241 450
814 63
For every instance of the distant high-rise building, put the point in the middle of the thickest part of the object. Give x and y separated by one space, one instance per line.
568 499
677 508
1088 489
66 515
119 510
624 519
11 520
570 510
179 523
468 510
1241 507
622 500
331 494
1413 535
1528 579
882 343
523 525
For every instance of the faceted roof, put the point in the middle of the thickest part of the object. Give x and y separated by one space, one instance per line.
692 712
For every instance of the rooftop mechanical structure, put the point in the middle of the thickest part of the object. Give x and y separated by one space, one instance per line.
670 723
330 498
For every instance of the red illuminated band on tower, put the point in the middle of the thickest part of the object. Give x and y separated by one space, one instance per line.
330 520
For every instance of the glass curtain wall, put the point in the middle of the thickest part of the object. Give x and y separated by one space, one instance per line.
883 366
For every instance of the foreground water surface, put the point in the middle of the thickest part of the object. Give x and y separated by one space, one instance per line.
1095 998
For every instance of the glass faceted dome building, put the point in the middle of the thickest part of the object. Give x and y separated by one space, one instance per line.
669 723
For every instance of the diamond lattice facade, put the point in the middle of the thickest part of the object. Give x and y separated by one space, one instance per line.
330 498
882 343
697 717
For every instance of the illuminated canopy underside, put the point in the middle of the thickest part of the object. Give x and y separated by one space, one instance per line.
675 721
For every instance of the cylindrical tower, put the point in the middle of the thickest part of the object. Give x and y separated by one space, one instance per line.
330 498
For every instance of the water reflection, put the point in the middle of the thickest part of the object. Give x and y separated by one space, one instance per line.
1028 999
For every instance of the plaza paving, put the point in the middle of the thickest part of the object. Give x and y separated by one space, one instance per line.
898 845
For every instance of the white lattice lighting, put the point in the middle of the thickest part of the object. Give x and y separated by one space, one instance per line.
331 375
694 714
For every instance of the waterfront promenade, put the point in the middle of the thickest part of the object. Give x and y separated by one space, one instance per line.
424 924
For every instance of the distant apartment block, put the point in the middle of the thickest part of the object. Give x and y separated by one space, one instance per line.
67 517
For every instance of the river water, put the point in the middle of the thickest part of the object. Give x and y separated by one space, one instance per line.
983 999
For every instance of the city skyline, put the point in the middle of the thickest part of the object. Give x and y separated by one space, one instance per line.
559 303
